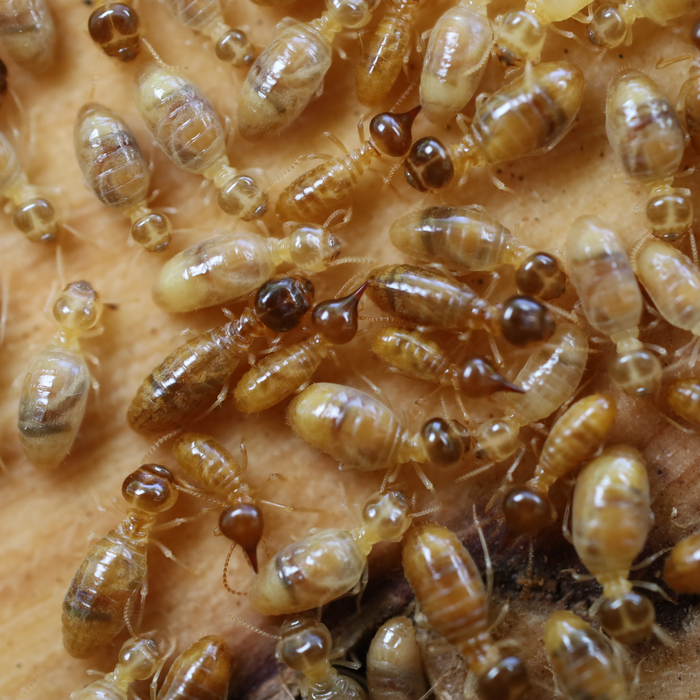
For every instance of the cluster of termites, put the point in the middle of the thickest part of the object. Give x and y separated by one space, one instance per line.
466 281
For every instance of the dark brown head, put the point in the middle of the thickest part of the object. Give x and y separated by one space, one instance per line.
505 680
629 618
445 442
524 321
429 165
541 275
150 488
243 525
336 320
115 27
526 510
479 378
391 132
3 78
281 303
695 36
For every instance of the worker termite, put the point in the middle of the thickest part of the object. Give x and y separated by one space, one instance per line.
140 658
290 71
113 571
431 298
455 60
280 373
520 33
190 379
206 17
361 433
530 114
34 216
394 664
468 239
549 379
227 268
200 673
386 52
329 563
305 645
117 173
319 192
582 659
448 587
116 28
646 134
27 32
186 127
673 283
611 301
572 440
688 108
611 26
55 389
682 568
611 517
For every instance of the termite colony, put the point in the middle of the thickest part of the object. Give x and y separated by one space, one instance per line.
414 417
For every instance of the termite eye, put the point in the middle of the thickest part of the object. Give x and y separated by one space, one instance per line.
150 488
115 27
607 28
526 511
525 320
444 444
505 680
429 165
629 619
391 132
281 303
541 275
336 320
243 525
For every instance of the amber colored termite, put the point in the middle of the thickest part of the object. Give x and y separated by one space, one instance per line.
186 127
139 658
611 517
305 645
200 673
582 659
386 52
105 587
431 298
394 663
55 389
683 396
468 239
361 433
646 135
291 70
205 16
448 587
611 300
282 372
115 170
27 33
34 216
682 568
190 378
319 192
688 107
573 439
529 115
116 28
329 563
230 267
549 379
455 60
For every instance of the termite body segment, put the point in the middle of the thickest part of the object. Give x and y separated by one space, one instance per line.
682 568
27 33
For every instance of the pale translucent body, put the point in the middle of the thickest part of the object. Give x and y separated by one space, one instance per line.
661 11
548 11
602 274
673 283
455 61
201 15
27 32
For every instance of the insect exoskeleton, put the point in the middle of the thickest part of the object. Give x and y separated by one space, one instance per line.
682 568
116 28
27 33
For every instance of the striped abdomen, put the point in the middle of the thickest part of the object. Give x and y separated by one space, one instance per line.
52 405
110 576
27 32
196 14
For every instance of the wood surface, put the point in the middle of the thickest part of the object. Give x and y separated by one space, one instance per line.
47 519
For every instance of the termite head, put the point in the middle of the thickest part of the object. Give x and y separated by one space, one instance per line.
78 308
387 515
525 321
336 320
37 220
519 38
141 656
478 379
282 302
629 618
235 48
669 214
150 488
352 14
637 372
242 197
312 247
445 442
527 510
504 680
305 644
607 27
115 26
429 165
243 525
391 133
152 231
541 275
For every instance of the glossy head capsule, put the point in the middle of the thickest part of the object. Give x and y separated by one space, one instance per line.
519 38
683 396
281 303
391 133
336 320
243 524
150 488
446 442
541 275
525 321
669 215
607 28
429 165
636 373
682 568
115 27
